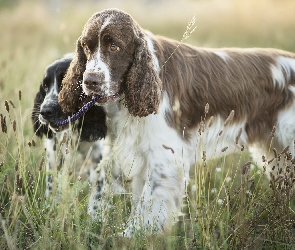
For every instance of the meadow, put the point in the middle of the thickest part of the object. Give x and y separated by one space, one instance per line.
229 204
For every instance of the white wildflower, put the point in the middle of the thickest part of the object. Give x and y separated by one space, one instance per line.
228 179
220 202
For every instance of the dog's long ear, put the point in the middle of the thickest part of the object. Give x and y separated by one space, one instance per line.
93 125
143 85
39 128
71 96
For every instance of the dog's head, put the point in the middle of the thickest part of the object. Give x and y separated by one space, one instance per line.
47 110
113 57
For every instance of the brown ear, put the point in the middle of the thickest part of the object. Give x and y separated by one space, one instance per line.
143 85
71 97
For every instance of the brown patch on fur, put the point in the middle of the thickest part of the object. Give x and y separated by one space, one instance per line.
242 82
143 85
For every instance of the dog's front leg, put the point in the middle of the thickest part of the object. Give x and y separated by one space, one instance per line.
50 162
161 197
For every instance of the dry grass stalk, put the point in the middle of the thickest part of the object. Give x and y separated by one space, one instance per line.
229 118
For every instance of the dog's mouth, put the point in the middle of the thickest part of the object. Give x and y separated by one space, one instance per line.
101 96
101 100
96 100
56 129
43 120
52 124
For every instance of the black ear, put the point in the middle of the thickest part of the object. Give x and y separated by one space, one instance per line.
92 125
39 129
143 85
71 96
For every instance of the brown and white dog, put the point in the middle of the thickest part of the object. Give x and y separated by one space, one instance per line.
158 108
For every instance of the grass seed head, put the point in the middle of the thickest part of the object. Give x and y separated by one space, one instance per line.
14 125
273 131
190 28
206 108
202 127
210 122
16 167
20 182
246 167
64 139
7 106
41 163
31 178
239 135
204 156
285 150
279 179
2 211
3 124
224 149
229 118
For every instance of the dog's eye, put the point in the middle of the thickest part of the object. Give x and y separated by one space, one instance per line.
114 47
45 86
85 47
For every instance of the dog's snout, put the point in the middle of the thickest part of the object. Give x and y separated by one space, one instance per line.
48 111
92 79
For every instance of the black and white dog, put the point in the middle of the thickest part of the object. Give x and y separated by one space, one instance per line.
60 145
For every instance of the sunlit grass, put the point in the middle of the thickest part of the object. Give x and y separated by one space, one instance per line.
227 205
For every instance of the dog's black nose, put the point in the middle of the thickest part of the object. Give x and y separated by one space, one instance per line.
47 111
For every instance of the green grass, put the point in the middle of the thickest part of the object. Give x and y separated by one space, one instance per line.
227 205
